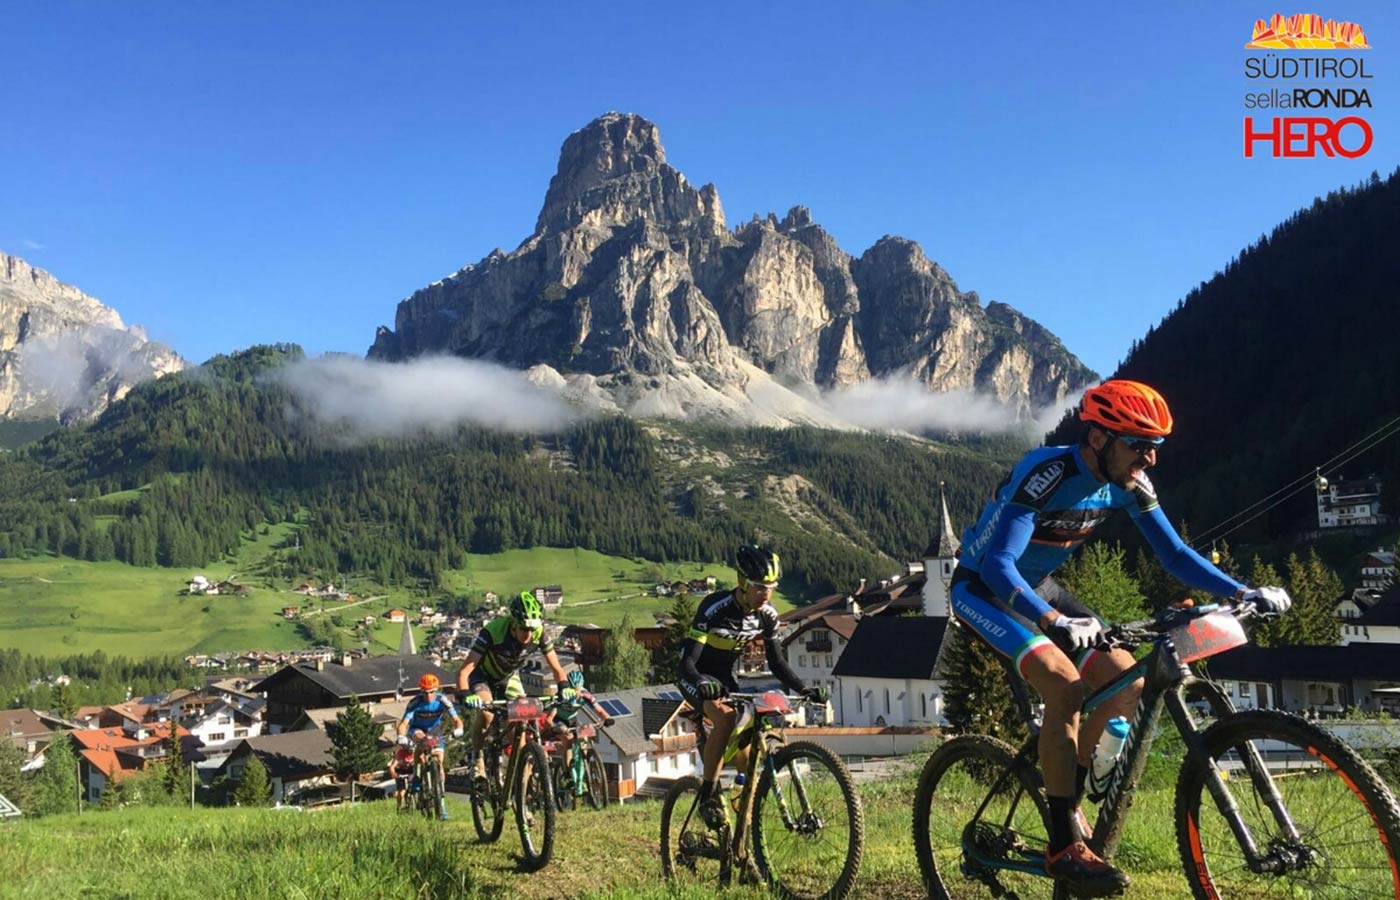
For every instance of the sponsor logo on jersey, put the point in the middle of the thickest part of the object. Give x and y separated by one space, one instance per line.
1042 481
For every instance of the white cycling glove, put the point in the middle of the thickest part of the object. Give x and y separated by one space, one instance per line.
458 731
1078 633
403 740
1270 601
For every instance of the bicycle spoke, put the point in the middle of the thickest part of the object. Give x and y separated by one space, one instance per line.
690 852
1338 852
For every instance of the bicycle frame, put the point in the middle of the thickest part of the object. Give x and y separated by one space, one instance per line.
1167 683
762 732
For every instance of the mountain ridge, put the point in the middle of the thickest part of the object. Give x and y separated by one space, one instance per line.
633 277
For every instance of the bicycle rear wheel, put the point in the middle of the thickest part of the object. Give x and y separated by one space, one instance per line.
534 806
965 854
564 796
808 824
1346 827
691 854
488 812
595 779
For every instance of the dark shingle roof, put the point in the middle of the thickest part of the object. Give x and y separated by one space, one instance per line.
893 647
842 623
630 733
372 675
291 753
1385 611
1380 662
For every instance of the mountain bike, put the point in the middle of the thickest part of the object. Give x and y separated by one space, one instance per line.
427 775
583 776
517 775
1267 803
808 824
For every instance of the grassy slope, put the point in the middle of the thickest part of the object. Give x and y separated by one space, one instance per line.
367 851
52 606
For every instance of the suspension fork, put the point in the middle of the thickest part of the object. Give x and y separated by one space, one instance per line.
789 821
1251 759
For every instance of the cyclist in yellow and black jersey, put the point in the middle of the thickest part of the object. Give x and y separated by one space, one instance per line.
724 624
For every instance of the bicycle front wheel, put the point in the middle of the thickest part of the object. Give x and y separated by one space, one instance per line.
1323 822
430 792
488 812
979 823
534 806
808 823
595 779
691 854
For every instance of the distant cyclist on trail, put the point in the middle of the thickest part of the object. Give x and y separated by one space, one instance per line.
724 623
1052 500
562 719
423 717
492 667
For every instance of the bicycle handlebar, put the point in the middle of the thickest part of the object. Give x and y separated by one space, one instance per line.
1129 635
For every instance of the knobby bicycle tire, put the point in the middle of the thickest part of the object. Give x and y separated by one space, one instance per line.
956 779
488 809
534 797
691 854
430 791
1346 818
564 796
595 779
819 865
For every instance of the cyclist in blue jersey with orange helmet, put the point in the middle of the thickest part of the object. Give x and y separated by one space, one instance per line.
1002 591
423 716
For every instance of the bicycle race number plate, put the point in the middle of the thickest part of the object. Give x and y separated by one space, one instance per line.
587 731
772 702
523 709
1208 635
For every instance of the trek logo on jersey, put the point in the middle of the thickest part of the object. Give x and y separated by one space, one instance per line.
1039 484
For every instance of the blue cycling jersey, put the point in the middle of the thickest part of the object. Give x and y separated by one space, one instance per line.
423 714
1047 507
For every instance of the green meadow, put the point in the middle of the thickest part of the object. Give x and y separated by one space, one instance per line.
57 606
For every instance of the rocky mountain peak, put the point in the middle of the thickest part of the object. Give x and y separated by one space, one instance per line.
612 171
633 292
64 354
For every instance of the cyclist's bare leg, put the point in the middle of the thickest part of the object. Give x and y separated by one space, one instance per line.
1101 668
1058 683
721 716
480 722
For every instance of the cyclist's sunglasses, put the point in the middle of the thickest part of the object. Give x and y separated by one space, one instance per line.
1137 444
766 587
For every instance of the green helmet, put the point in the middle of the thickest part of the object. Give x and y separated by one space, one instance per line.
526 611
576 679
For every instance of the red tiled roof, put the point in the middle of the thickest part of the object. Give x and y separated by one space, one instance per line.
99 745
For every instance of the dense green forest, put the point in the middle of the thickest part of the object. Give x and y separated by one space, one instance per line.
1278 364
174 473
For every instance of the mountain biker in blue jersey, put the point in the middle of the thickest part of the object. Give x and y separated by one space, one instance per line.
423 716
1002 591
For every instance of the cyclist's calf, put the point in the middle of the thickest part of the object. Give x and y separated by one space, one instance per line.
1099 669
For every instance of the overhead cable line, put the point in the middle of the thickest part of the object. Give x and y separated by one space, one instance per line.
1219 530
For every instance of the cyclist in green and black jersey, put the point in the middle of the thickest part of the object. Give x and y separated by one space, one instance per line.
492 668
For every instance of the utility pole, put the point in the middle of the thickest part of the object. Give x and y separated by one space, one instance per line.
191 786
78 765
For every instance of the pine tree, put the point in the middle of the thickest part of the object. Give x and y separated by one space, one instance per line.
56 787
253 789
1098 576
682 617
978 695
13 785
1266 633
355 742
173 777
625 662
64 703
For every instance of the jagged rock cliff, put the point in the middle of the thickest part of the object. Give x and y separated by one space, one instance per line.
633 293
63 354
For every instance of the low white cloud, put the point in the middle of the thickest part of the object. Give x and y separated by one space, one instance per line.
906 404
364 399
33 245
64 367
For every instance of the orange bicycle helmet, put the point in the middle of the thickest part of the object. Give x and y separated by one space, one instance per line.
1127 408
428 682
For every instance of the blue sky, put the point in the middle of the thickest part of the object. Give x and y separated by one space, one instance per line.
230 174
